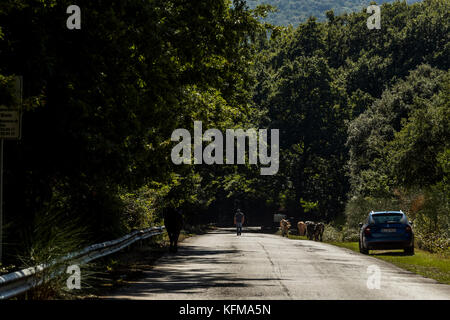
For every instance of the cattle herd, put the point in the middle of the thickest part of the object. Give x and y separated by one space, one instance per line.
285 225
314 231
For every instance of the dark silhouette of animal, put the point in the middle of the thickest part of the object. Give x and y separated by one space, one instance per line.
301 226
173 221
284 227
310 228
318 231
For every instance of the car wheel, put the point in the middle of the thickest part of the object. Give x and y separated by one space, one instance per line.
409 250
362 249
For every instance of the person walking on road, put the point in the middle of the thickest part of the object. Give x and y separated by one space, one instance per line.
238 221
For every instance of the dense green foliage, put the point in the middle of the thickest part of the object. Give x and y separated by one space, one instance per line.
101 104
363 115
293 12
356 107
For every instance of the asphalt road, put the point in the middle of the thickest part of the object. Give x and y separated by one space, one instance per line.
220 265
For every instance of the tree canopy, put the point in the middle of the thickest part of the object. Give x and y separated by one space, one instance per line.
363 114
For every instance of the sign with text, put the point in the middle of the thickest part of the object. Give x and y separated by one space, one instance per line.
10 118
9 123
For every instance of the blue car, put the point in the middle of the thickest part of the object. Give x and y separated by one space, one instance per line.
386 230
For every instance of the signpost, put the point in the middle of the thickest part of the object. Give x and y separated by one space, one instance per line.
9 123
10 128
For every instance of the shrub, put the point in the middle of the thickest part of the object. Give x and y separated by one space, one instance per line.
332 234
358 208
338 234
432 221
432 242
350 234
141 208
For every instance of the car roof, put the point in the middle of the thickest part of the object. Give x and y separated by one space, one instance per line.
381 212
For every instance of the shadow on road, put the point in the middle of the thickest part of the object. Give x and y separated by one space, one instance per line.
186 272
392 254
266 230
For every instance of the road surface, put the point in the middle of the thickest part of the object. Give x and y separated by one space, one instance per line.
220 265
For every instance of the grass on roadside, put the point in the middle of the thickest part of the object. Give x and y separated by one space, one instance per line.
296 237
431 265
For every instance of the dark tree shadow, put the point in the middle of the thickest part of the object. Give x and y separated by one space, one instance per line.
391 253
167 277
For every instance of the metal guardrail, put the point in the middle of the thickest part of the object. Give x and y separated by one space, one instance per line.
15 283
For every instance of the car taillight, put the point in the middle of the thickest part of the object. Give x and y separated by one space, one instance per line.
367 231
408 229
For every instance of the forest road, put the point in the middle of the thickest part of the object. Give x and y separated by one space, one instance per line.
221 265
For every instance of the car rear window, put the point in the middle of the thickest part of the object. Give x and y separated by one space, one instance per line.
387 217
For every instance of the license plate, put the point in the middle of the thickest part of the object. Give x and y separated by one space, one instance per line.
388 230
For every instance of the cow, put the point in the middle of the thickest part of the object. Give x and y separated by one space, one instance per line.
301 226
284 227
310 228
318 231
173 220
